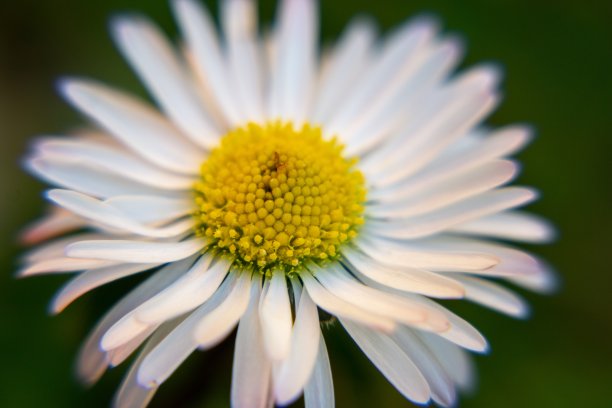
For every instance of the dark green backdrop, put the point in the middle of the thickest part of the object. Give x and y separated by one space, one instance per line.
558 61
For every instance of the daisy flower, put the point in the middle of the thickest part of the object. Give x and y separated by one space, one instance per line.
274 186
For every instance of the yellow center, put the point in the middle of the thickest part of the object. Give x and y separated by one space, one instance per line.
274 196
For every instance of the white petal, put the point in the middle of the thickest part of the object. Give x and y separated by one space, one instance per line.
275 316
135 251
58 222
191 290
111 216
112 159
397 308
319 392
442 387
117 356
199 32
395 59
131 394
456 362
135 124
152 209
458 330
153 58
473 208
511 262
400 203
461 332
252 370
196 286
404 278
164 359
348 60
92 279
544 280
239 18
216 325
511 225
336 306
442 119
421 256
296 370
420 75
494 296
61 265
92 360
87 180
292 83
500 143
392 362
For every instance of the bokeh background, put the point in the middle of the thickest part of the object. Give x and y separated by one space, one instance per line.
558 61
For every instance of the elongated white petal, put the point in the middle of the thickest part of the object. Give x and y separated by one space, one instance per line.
456 362
239 18
348 59
511 262
450 191
111 216
461 332
498 144
404 278
319 391
392 362
544 280
495 296
421 256
131 394
480 206
275 317
87 180
117 356
199 32
420 77
58 222
92 279
442 387
191 290
135 124
112 159
395 59
510 225
293 79
295 371
92 360
440 120
185 294
152 209
218 323
340 307
153 58
252 370
457 331
165 358
61 265
135 251
400 309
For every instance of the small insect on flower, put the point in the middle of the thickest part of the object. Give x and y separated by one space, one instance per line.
270 184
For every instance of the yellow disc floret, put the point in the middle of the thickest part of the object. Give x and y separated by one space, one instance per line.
275 196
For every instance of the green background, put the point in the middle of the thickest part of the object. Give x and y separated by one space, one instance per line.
558 62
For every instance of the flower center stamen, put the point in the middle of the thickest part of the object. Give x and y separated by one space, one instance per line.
274 196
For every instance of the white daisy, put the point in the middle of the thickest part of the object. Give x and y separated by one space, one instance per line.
273 183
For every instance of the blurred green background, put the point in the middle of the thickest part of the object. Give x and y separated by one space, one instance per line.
558 61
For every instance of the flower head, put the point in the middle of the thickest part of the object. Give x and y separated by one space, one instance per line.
271 183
